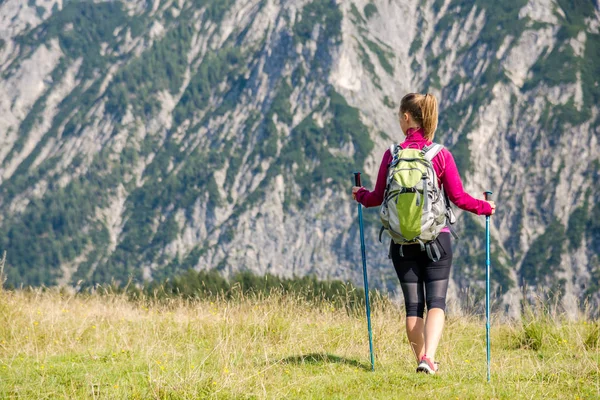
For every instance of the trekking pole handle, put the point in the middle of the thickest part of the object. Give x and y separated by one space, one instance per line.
357 179
487 195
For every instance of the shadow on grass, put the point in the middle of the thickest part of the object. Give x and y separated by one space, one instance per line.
323 358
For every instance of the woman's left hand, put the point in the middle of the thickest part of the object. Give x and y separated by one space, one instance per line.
355 189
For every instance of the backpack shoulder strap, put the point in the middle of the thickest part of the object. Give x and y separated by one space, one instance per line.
429 154
394 149
432 150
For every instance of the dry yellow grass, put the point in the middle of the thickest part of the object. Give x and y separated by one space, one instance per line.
55 345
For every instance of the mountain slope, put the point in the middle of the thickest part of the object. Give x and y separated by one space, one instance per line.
142 139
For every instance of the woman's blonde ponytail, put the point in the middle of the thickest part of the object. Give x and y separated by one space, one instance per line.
429 112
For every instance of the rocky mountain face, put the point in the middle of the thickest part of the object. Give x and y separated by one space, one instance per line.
139 139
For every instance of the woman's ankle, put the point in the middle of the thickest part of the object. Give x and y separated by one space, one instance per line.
429 356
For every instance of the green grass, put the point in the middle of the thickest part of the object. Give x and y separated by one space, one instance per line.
56 345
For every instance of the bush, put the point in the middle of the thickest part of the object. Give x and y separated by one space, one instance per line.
212 285
576 228
544 256
370 10
325 13
592 340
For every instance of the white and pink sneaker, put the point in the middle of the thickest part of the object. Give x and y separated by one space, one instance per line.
427 366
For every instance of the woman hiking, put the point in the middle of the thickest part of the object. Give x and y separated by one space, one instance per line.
424 281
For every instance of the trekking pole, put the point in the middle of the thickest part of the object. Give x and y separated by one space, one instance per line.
364 264
487 195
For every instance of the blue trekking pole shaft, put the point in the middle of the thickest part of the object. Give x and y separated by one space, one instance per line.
366 280
487 196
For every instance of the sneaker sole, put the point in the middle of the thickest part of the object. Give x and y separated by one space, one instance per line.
425 368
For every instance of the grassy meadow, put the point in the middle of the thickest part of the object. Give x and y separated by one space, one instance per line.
55 345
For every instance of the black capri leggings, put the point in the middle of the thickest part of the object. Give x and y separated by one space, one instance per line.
422 280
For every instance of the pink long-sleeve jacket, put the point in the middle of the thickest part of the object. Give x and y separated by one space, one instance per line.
446 171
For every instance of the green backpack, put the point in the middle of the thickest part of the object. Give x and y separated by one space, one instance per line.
415 209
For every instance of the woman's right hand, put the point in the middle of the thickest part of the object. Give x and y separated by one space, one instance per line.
493 205
355 189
